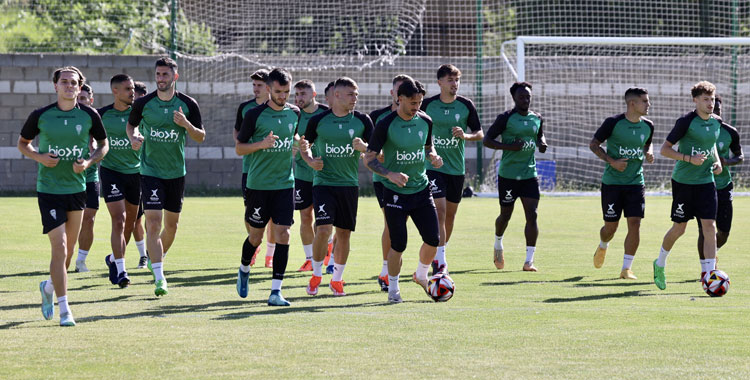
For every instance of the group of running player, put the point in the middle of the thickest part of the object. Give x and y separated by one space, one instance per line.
306 157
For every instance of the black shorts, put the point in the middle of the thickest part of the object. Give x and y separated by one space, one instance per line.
263 205
117 186
92 195
616 198
336 205
244 188
140 209
54 208
420 207
303 194
379 187
724 208
161 193
508 190
446 186
689 201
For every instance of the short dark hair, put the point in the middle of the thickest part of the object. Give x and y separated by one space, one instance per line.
260 74
717 99
345 82
141 88
400 78
279 76
72 69
305 83
167 62
702 87
448 69
411 87
634 92
518 85
86 87
119 78
329 86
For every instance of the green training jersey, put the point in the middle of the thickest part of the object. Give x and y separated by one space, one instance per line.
270 169
512 126
376 116
121 156
695 136
302 171
625 140
92 173
241 111
459 113
163 150
403 143
66 135
728 142
332 137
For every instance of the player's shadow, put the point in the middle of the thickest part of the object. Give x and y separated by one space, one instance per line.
25 274
597 297
121 298
502 283
265 310
593 284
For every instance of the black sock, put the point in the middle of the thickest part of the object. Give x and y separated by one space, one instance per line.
280 258
247 252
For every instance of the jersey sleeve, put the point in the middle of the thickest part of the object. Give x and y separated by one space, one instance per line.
369 127
379 135
194 115
136 112
605 130
31 126
311 132
428 120
679 130
473 121
247 130
240 116
298 112
651 135
540 133
97 127
498 127
734 146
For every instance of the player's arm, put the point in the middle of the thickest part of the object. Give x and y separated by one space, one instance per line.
28 133
541 141
305 144
243 146
497 129
473 123
648 147
678 132
134 120
429 148
193 124
602 134
360 144
735 147
99 134
379 135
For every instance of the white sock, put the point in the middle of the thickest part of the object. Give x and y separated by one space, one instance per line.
270 248
330 239
245 268
384 271
338 271
627 261
530 254
111 257
331 261
82 255
49 288
276 284
62 303
710 265
422 270
158 271
662 260
440 255
308 251
141 245
603 244
499 243
393 284
317 268
703 265
120 265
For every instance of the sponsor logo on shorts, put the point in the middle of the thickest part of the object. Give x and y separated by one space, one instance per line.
154 197
434 187
66 153
611 209
53 213
322 214
395 202
114 191
256 214
297 196
679 212
164 135
508 195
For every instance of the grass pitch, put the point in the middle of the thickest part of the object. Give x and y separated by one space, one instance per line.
567 321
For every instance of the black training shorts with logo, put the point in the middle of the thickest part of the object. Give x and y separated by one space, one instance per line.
118 186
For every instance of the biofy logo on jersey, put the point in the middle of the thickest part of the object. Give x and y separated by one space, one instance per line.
446 142
407 157
66 153
339 150
164 135
528 145
282 145
694 151
118 143
636 153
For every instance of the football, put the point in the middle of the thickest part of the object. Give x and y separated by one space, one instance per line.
441 287
715 283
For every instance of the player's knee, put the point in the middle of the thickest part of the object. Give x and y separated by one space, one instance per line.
432 240
398 245
324 230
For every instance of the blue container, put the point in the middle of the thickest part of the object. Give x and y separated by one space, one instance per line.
547 171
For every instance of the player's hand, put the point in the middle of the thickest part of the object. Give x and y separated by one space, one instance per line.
381 157
48 159
542 147
304 145
180 119
268 141
80 165
619 164
698 159
649 157
515 146
723 161
435 160
316 164
359 145
136 141
399 179
458 132
717 169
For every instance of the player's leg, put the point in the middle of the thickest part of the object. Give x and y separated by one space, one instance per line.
724 214
256 218
139 235
72 229
507 194
270 246
307 235
612 204
117 213
282 214
323 207
453 194
425 217
531 231
397 230
681 212
385 238
86 237
632 241
437 187
344 215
